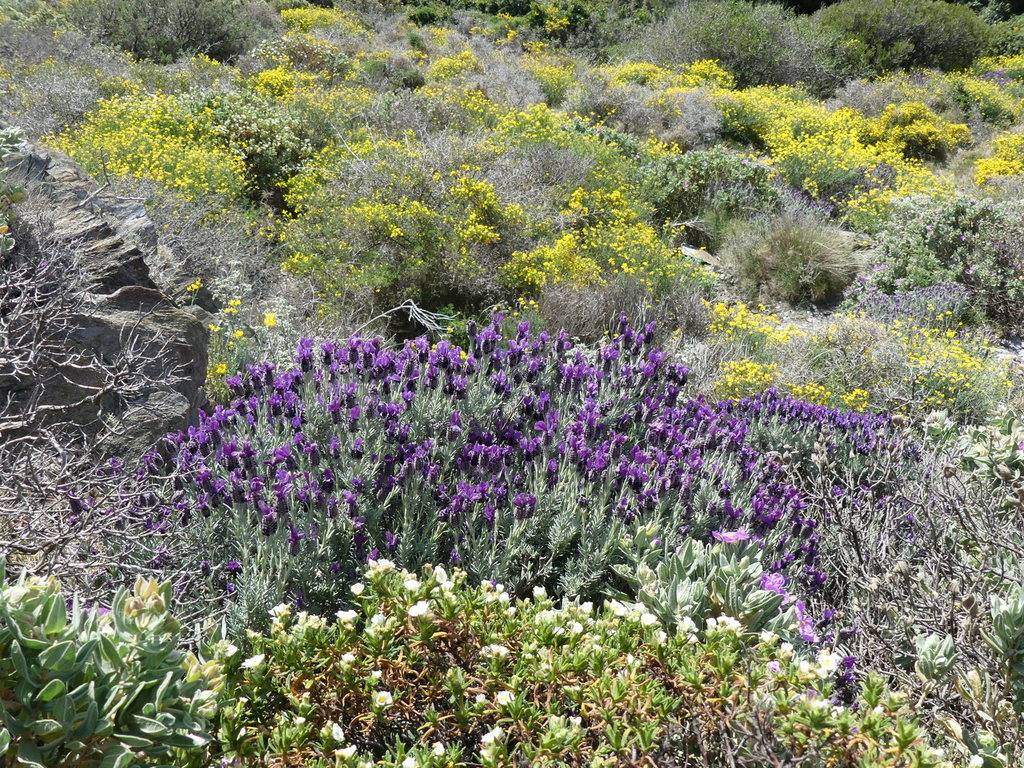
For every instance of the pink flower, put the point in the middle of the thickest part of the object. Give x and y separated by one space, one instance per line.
731 537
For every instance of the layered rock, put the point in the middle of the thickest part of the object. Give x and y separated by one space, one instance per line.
119 314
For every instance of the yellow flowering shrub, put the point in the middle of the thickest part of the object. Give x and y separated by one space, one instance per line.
1007 159
837 155
744 378
978 94
448 67
555 75
704 72
608 235
812 392
315 17
917 131
158 138
857 364
281 83
739 322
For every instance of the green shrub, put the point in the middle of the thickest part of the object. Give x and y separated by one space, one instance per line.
977 243
883 35
704 190
9 140
1008 37
163 30
760 43
86 688
798 258
429 672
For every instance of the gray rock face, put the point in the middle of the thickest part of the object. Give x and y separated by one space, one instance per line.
145 355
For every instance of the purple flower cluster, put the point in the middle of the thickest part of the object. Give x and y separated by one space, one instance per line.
432 453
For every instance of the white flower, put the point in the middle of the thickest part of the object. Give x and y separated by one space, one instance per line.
976 761
587 607
306 621
411 585
685 626
539 592
376 674
358 588
346 617
618 608
409 762
576 722
504 698
348 658
383 699
378 619
495 650
346 752
437 748
786 650
828 663
662 636
768 637
280 613
337 733
480 698
253 661
503 597
576 628
725 624
383 565
230 650
648 619
441 575
422 608
491 736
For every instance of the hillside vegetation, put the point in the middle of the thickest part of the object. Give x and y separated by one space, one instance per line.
598 383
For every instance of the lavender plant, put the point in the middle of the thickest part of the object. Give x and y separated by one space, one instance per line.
521 458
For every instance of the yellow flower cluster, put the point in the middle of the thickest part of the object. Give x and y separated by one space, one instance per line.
1007 159
555 75
608 235
315 17
449 67
701 73
812 392
158 138
282 83
744 378
738 321
947 369
840 155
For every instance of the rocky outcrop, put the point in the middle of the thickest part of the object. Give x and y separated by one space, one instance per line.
120 317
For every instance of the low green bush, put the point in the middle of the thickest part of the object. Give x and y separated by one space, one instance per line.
9 139
427 671
83 687
760 43
704 190
163 30
882 35
977 243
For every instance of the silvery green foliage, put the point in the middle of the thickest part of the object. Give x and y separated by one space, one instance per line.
935 657
10 138
1007 640
703 581
991 452
83 688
